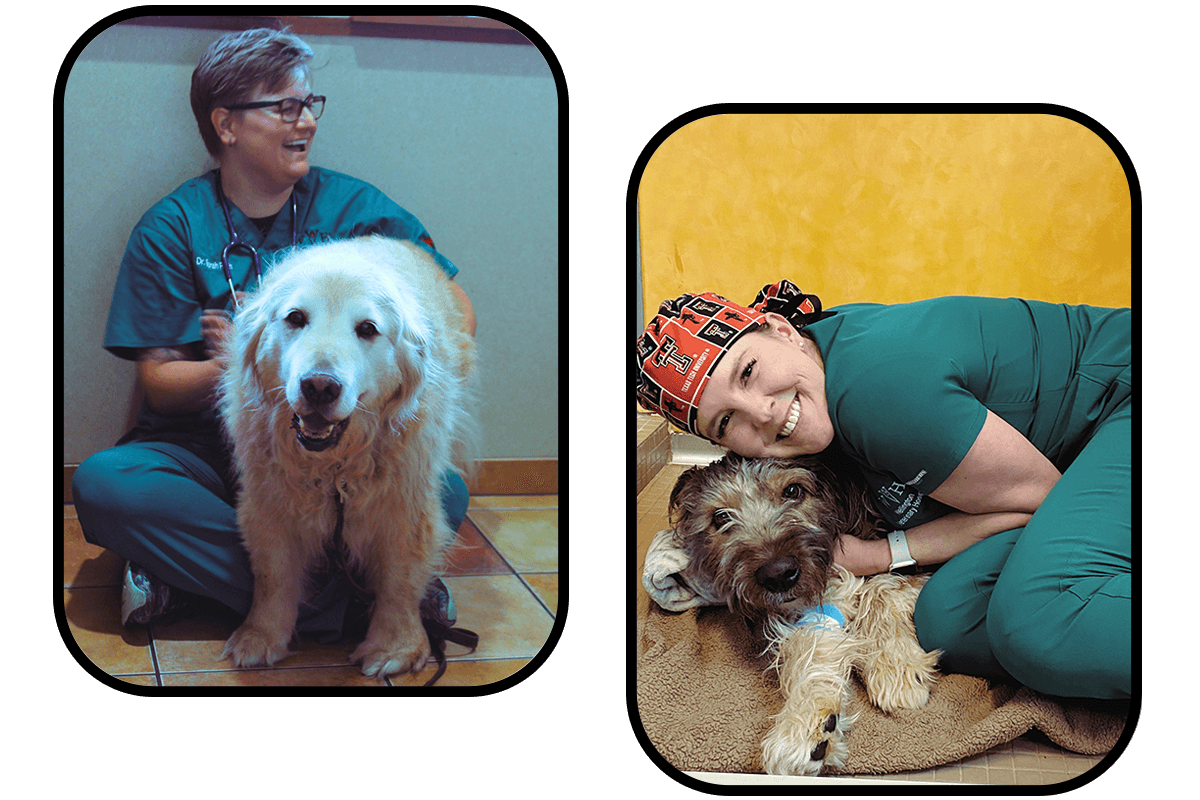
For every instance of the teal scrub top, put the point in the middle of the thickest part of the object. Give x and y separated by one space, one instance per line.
908 386
171 269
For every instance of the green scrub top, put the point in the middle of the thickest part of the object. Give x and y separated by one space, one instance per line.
171 269
908 386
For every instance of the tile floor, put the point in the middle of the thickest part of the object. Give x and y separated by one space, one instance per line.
1029 760
503 576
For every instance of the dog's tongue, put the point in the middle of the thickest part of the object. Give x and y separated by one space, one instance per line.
315 423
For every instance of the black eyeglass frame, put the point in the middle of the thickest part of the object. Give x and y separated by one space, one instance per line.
307 102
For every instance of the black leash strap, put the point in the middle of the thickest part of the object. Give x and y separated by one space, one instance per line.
431 618
439 634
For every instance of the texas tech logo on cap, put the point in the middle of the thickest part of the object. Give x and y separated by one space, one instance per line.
680 348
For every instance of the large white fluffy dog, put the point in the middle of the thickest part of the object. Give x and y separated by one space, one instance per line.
348 379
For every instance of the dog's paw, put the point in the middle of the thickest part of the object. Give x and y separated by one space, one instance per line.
797 746
252 647
896 683
380 659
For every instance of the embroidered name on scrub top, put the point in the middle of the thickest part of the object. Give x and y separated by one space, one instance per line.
900 500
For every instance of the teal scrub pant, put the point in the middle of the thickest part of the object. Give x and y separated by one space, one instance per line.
170 512
1048 605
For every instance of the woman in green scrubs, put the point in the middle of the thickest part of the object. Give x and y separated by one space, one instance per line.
164 497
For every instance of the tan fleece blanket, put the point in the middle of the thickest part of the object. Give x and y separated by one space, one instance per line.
705 698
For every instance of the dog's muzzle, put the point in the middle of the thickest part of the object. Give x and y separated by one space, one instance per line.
314 431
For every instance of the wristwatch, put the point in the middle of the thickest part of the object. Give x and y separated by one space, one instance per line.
902 561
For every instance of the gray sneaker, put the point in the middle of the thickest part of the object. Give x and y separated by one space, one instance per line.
146 599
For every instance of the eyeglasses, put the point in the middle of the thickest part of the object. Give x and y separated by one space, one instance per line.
290 108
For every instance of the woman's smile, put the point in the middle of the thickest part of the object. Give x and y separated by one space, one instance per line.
767 395
793 416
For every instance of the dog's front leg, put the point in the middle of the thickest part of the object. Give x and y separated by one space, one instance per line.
396 641
897 673
814 664
398 572
262 640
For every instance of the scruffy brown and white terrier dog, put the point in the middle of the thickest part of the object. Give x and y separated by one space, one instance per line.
759 536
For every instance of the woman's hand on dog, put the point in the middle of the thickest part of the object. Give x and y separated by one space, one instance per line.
862 557
216 324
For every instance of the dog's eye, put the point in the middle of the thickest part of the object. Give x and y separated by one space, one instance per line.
794 491
721 518
296 319
366 330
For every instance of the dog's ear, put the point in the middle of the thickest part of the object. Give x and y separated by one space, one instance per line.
401 297
412 362
855 504
242 385
250 323
414 365
414 335
681 484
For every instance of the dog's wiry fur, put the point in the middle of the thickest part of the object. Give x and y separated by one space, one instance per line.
760 534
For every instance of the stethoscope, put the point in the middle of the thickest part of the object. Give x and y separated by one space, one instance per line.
237 241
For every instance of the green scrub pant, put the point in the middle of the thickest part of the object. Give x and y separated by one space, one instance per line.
1050 604
169 511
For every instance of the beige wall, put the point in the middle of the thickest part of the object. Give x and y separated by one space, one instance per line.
886 208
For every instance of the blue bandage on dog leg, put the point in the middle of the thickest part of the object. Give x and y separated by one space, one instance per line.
825 615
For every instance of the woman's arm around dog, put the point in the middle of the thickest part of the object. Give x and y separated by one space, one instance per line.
931 543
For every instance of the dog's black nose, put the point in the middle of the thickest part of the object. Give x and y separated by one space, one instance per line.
320 390
778 576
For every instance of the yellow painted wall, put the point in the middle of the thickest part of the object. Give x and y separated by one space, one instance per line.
886 208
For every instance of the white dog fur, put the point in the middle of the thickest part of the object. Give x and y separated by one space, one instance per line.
371 329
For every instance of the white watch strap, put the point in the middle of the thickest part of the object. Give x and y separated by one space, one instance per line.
898 543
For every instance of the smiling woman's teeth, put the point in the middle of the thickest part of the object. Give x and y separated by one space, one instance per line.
792 419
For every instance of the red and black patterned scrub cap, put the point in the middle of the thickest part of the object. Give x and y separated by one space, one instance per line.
683 344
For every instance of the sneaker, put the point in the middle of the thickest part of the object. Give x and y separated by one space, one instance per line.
437 606
146 599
